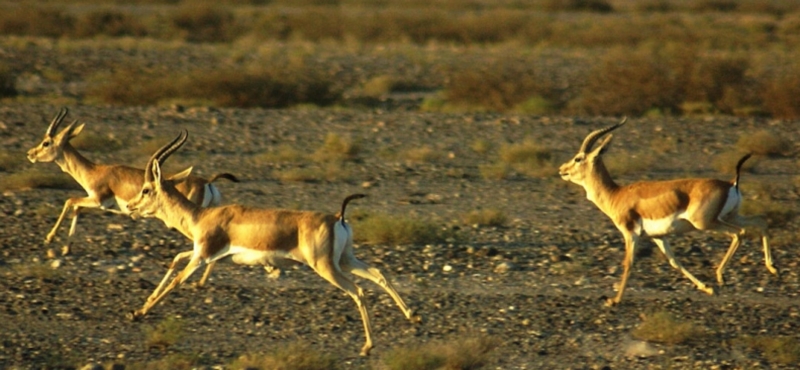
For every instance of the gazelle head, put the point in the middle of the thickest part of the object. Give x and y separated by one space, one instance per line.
52 146
582 164
150 199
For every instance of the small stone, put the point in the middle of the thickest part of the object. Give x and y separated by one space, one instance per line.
94 366
51 253
504 267
55 264
640 349
447 268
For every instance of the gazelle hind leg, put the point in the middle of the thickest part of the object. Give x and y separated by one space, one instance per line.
330 273
664 246
735 242
357 267
180 257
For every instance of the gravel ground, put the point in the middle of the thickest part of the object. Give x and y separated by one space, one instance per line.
546 309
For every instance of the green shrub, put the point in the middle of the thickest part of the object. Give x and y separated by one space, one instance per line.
528 158
663 327
386 229
293 356
470 352
164 335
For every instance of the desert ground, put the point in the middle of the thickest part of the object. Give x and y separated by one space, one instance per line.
534 283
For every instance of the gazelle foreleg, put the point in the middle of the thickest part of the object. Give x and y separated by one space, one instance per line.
193 264
627 263
74 204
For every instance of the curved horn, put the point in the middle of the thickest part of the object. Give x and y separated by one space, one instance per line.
591 138
163 153
57 121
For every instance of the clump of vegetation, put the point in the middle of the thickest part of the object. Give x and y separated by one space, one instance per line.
388 229
293 356
494 171
765 143
8 83
336 148
41 271
35 179
277 86
93 142
623 162
164 335
663 327
108 23
202 21
283 153
486 217
173 361
725 162
528 158
781 350
462 353
422 154
11 160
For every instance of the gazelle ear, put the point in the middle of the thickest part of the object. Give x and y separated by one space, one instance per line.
72 132
602 146
181 175
157 172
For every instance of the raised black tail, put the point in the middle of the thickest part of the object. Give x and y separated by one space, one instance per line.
225 176
347 200
739 168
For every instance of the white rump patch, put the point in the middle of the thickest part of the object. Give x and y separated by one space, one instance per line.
342 234
732 203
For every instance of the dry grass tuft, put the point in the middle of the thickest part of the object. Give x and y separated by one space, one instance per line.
624 162
486 217
462 353
94 142
336 148
35 179
293 356
765 143
777 350
663 327
164 335
173 361
422 154
494 171
725 162
36 270
528 158
388 229
282 154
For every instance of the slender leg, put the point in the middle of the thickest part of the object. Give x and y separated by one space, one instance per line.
180 257
193 264
361 269
664 246
627 262
329 272
203 279
735 242
74 204
739 226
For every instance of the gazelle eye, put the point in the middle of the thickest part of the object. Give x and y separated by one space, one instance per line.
145 191
46 144
578 160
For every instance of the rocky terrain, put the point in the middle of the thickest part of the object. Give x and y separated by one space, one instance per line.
536 283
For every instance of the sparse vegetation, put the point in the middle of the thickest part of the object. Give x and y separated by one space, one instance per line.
293 356
422 154
387 229
94 142
8 83
11 160
780 350
33 179
663 327
764 143
164 335
528 158
469 352
336 148
486 217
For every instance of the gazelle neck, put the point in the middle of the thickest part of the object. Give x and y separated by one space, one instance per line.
73 163
178 212
600 187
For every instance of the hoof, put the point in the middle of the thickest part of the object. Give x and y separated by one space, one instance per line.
416 319
133 316
65 250
708 290
365 352
609 302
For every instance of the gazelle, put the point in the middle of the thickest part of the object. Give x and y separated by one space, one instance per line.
109 187
267 237
655 209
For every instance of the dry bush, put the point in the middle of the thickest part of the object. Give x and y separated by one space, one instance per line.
486 217
528 158
623 162
41 271
8 82
34 21
164 335
494 171
781 93
780 350
764 143
387 229
481 146
173 361
302 174
720 81
626 82
465 352
293 356
422 154
11 160
108 23
336 148
203 21
276 86
35 179
663 327
283 153
725 162
499 86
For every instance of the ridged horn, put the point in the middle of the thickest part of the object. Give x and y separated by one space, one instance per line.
592 138
57 121
163 153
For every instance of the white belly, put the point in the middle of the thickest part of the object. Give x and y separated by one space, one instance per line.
673 224
245 256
